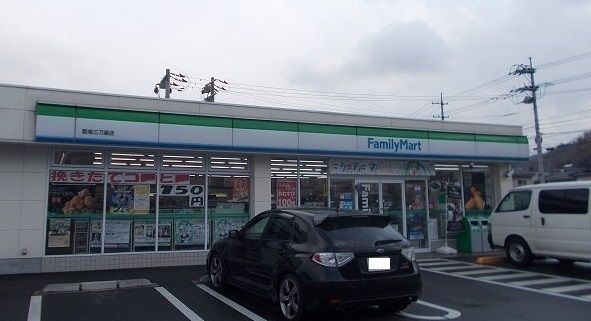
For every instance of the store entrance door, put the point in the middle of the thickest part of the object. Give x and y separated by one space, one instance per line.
404 201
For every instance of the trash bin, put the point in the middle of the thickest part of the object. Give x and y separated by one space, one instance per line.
470 239
485 224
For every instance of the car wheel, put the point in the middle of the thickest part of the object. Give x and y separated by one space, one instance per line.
291 298
518 252
217 272
394 306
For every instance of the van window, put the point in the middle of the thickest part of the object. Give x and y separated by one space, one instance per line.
564 201
515 201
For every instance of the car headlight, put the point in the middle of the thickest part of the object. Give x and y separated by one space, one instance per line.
409 253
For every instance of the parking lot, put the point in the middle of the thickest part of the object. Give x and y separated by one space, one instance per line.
452 290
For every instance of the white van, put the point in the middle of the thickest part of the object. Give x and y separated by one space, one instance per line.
546 220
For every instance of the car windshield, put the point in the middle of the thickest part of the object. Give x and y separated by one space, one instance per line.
355 233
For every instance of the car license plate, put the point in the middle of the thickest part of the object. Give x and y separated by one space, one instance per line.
378 264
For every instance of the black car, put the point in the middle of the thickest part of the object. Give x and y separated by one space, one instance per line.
308 259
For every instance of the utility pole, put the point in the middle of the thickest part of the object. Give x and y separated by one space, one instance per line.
440 102
164 84
211 89
521 70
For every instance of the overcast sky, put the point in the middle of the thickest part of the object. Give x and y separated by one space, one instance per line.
382 57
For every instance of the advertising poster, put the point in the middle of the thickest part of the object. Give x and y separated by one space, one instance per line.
474 193
96 231
240 188
144 233
416 227
189 232
141 199
454 207
221 227
165 233
117 233
74 199
286 193
122 199
58 234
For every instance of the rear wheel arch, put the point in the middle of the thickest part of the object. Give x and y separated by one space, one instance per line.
512 237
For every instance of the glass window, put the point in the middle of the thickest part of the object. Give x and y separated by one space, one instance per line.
228 203
515 201
300 232
228 164
446 208
77 157
279 228
134 160
477 190
564 201
181 211
256 230
416 212
131 212
75 201
354 233
182 161
342 193
284 183
313 183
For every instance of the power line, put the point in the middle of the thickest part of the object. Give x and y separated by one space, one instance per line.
566 60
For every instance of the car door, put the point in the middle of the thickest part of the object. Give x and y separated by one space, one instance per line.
244 255
275 247
563 224
513 216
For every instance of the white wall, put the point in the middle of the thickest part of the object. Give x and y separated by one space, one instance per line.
261 184
23 193
502 182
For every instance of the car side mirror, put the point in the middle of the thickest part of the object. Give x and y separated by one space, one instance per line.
233 234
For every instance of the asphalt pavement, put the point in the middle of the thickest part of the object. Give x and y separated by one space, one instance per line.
452 289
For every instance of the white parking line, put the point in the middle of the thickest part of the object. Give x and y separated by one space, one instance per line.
479 271
457 267
178 304
569 288
247 313
506 276
35 308
433 264
538 281
449 313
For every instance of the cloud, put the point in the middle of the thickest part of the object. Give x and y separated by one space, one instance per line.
399 49
402 48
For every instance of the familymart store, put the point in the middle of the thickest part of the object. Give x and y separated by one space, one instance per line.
135 182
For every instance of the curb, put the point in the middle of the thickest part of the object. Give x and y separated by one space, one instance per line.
490 259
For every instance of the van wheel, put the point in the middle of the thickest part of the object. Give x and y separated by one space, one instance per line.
518 252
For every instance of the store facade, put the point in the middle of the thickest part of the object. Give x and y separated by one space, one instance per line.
109 181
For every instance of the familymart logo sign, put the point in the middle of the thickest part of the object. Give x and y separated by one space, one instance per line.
394 144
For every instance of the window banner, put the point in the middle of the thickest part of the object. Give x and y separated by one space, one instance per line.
380 167
58 234
144 233
455 211
117 233
189 232
60 176
286 193
240 189
221 227
96 233
141 199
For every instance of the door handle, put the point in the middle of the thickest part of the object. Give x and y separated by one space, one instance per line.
543 221
526 216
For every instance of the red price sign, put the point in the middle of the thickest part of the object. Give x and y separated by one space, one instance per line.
286 193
